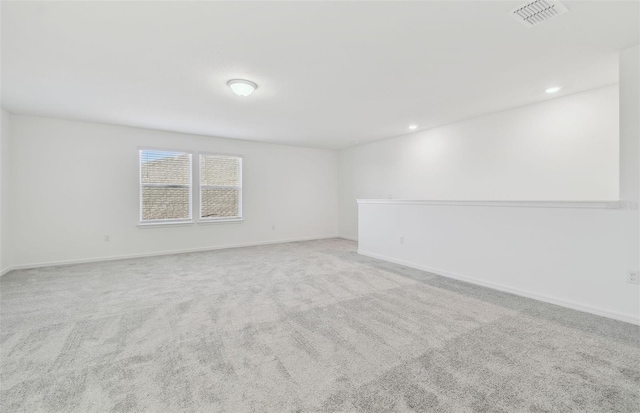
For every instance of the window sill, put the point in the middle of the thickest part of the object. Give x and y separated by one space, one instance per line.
221 221
190 223
165 224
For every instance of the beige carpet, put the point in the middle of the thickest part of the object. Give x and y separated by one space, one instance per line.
307 326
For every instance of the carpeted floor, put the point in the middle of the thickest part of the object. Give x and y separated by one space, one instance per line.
308 326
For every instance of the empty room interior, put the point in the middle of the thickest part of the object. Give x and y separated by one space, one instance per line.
319 206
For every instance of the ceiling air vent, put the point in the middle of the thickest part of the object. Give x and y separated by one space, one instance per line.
538 11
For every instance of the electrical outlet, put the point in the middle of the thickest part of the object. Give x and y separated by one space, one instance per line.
107 238
632 277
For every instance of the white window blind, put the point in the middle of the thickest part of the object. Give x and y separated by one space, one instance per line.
220 187
165 186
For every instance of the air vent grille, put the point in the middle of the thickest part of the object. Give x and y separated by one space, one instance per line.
538 11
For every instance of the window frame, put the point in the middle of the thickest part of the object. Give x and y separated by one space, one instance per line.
172 221
240 216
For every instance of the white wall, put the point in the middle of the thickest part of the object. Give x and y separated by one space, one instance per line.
577 257
561 149
72 183
5 243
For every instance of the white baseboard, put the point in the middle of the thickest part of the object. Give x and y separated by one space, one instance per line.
5 270
348 238
155 254
501 287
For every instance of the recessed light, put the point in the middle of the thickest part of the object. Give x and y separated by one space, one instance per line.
356 142
553 89
412 127
242 87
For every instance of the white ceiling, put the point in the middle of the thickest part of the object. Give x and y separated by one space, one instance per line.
329 73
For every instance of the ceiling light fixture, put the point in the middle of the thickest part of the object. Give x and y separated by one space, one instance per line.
553 89
412 127
242 87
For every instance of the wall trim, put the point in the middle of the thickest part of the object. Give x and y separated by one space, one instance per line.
348 238
501 287
512 204
156 254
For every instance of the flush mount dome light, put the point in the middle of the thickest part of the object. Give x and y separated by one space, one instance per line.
553 89
242 87
412 127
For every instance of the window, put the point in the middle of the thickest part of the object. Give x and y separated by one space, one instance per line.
166 181
220 187
165 186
